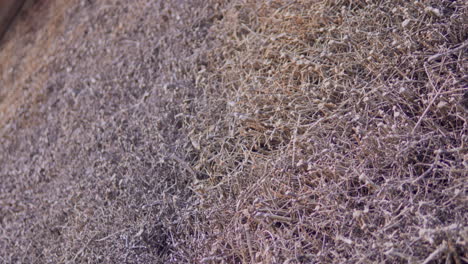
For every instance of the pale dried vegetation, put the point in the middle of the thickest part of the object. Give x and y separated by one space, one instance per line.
325 131
334 131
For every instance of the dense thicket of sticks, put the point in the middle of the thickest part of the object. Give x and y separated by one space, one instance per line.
325 131
335 131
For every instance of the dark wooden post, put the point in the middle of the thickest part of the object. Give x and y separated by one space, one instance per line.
8 11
